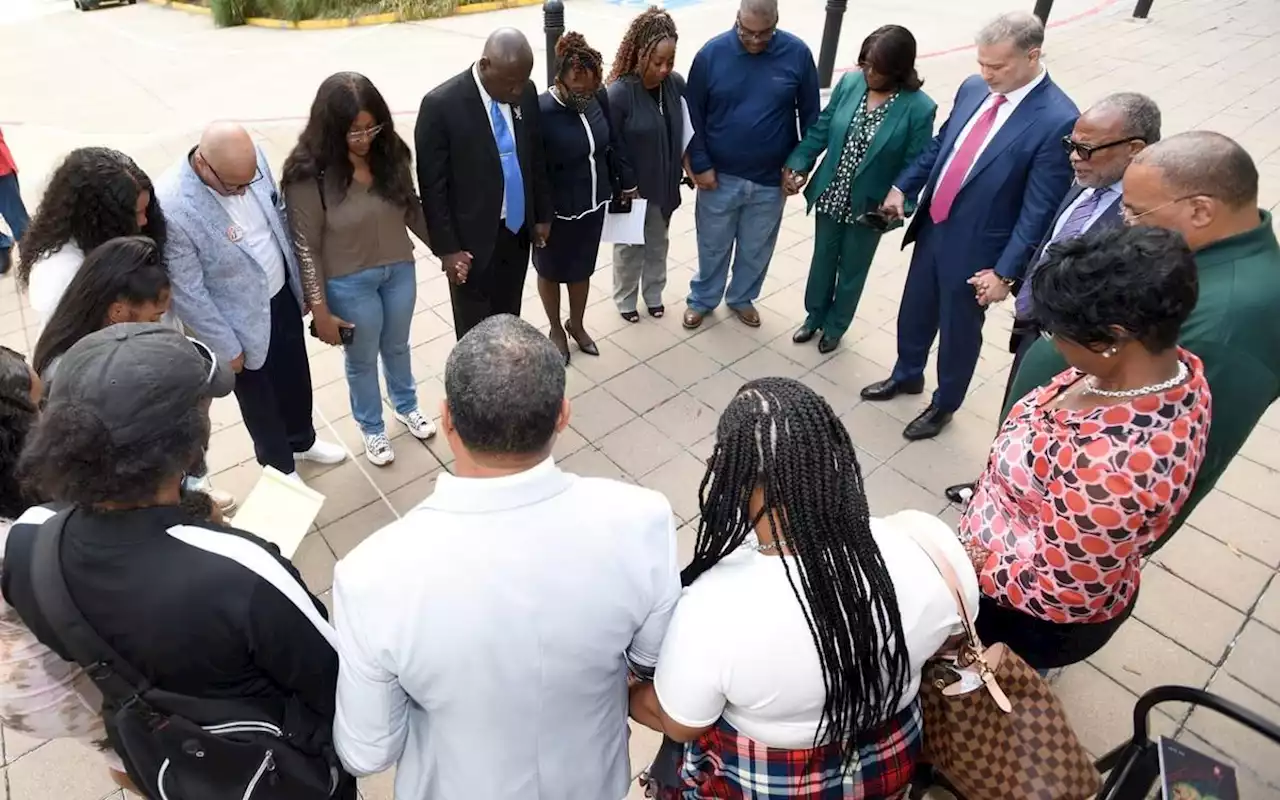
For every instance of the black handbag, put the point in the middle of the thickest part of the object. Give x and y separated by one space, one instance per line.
662 778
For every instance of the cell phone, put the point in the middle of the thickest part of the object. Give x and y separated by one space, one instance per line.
347 335
687 181
875 219
620 205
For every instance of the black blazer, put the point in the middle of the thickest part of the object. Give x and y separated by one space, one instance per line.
460 173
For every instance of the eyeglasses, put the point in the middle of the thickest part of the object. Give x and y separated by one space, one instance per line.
231 188
1129 217
365 135
1086 151
208 355
748 35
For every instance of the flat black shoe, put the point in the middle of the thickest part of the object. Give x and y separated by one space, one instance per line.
657 312
960 493
630 316
803 334
928 425
828 344
889 388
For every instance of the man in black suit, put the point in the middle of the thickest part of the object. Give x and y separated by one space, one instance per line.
483 181
1103 142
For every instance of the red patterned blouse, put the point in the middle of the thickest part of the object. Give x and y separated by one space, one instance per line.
1070 499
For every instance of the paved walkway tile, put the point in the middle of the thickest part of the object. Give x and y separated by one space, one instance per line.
645 410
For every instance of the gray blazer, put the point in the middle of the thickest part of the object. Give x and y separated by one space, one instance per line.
219 290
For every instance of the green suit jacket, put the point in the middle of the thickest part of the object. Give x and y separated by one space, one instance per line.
905 132
1234 329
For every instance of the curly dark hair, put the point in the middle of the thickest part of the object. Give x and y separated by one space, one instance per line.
781 437
573 51
71 458
1139 280
129 269
92 197
644 33
322 147
891 51
17 416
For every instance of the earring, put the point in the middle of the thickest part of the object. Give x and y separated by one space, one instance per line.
1109 352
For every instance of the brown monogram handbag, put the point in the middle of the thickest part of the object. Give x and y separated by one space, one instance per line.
993 727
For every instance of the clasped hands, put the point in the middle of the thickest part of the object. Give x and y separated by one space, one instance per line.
988 286
458 265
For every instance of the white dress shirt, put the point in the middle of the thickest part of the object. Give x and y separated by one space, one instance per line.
761 670
1012 101
249 222
505 108
483 638
1116 192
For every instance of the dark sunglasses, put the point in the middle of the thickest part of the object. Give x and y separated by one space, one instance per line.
1086 151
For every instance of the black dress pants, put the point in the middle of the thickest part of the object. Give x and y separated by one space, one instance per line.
1043 644
275 399
493 288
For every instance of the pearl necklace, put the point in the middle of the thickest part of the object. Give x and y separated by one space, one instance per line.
765 548
1091 386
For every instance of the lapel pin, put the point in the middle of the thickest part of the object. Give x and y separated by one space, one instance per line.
515 111
235 233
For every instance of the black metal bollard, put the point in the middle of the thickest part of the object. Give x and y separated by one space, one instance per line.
830 41
553 25
1043 7
1143 8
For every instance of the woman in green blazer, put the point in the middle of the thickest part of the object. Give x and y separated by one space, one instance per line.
875 124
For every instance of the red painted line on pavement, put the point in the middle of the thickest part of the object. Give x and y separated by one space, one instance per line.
934 54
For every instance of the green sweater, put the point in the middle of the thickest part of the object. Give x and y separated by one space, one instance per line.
1235 329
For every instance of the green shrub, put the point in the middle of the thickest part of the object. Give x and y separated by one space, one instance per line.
295 10
228 12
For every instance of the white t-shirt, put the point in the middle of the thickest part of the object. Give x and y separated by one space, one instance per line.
251 222
50 277
738 645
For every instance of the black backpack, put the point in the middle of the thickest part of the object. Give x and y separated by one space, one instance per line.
177 747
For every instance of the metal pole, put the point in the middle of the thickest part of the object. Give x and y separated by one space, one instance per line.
830 41
1043 7
1143 8
553 24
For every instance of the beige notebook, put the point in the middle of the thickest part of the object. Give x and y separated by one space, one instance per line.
279 510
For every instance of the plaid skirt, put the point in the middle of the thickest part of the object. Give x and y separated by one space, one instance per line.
723 763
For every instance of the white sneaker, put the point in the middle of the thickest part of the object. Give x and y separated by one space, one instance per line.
419 426
322 453
378 450
296 478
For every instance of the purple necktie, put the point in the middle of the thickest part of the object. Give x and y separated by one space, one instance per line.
1073 227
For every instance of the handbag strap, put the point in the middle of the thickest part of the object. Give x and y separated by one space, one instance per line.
948 573
118 679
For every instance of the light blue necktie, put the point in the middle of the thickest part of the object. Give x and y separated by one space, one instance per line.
511 177
1071 228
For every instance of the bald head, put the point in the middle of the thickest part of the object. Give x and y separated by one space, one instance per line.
506 65
1205 163
230 160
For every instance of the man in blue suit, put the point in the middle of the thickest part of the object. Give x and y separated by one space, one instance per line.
1101 146
991 180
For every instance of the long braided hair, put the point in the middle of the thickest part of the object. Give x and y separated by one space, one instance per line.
645 32
780 436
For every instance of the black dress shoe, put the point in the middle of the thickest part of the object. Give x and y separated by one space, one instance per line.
960 493
828 344
928 425
803 334
889 388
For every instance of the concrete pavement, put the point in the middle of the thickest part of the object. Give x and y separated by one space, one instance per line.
145 79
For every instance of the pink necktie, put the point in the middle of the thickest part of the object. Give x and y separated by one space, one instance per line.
949 186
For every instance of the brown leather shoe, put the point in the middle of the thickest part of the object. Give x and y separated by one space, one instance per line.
749 316
692 319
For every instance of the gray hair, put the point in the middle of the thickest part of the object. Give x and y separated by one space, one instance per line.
504 383
1141 114
1204 162
764 8
1024 29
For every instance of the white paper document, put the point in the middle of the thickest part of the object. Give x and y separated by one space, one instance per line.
688 125
279 510
626 228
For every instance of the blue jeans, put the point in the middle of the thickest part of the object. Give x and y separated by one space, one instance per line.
739 219
379 302
12 209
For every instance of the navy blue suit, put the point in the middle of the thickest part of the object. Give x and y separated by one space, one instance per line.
1000 216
